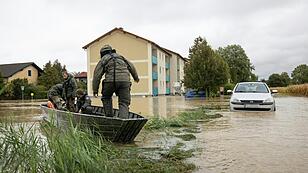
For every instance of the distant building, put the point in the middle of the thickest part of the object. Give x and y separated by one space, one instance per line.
27 70
81 77
158 68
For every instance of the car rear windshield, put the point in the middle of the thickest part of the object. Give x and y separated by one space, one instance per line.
251 88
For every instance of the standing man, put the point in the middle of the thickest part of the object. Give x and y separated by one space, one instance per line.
117 72
69 90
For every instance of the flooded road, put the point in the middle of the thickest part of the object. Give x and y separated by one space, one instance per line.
166 106
238 142
257 141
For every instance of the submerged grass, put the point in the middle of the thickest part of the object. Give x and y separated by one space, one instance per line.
24 149
184 119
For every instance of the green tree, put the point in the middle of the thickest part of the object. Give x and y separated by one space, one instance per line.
238 62
300 74
274 80
52 74
253 77
205 70
279 80
16 87
1 82
285 79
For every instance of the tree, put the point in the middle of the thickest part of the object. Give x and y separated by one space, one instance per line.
52 74
285 79
279 80
274 80
253 77
238 62
1 82
300 74
16 87
205 70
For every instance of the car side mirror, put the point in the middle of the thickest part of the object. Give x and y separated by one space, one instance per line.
229 91
274 91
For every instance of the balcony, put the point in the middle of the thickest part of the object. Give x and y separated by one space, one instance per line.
167 90
154 60
167 78
154 75
155 91
167 65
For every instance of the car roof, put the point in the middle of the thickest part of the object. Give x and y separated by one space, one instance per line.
251 82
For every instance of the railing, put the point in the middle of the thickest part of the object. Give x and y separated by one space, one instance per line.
167 90
154 75
167 78
155 91
154 59
167 65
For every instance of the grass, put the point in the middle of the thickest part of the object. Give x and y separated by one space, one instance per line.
184 119
24 149
298 90
44 148
186 137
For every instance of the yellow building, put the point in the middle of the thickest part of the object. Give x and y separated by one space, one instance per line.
29 71
158 68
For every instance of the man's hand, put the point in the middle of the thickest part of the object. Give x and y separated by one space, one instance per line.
137 80
95 94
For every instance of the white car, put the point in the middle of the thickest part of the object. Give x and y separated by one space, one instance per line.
255 96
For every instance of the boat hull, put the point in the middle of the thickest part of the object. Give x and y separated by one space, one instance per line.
114 128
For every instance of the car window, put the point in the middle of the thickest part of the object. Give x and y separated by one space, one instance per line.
251 88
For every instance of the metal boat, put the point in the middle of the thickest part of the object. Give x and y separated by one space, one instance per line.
114 128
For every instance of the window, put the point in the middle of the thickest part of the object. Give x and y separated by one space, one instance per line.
29 73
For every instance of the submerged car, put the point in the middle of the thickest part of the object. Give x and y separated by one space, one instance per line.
255 96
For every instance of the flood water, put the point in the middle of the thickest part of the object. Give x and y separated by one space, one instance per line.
257 141
238 142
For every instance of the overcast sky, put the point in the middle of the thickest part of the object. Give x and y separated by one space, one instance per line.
274 33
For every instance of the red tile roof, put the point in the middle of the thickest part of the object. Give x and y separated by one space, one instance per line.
81 75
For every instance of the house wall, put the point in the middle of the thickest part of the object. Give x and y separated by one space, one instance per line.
132 48
24 74
173 72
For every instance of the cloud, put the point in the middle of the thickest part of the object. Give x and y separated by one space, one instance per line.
273 33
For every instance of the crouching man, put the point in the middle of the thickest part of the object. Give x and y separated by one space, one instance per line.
54 96
83 102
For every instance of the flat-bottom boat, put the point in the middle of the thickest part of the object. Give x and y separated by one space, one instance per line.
115 129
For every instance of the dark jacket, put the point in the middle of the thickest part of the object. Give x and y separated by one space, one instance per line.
116 69
56 90
69 87
83 102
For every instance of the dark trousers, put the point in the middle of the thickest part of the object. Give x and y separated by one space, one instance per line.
70 104
122 90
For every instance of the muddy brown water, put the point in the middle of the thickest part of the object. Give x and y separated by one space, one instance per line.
238 142
257 141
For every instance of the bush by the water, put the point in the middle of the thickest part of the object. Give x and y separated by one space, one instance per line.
12 90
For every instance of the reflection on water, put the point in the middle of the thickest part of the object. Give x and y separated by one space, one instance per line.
161 106
18 111
164 106
257 141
